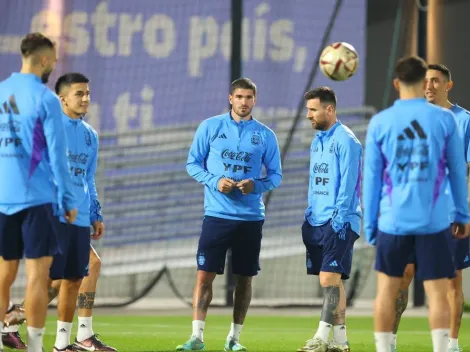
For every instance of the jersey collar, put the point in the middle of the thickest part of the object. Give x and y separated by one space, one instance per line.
328 133
71 120
242 122
409 101
31 76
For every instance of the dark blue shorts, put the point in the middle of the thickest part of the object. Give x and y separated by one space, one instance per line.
32 233
460 250
73 262
218 235
328 251
432 253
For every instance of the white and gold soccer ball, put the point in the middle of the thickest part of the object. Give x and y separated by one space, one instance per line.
339 61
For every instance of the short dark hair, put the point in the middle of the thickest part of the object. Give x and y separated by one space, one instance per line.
243 83
324 94
441 68
411 70
68 79
34 42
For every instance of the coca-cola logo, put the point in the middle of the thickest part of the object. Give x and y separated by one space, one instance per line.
79 158
320 168
238 156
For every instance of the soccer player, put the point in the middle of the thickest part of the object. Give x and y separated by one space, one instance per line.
227 156
36 184
74 94
333 216
73 90
408 148
439 83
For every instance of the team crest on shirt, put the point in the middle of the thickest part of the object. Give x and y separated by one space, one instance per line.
88 138
255 139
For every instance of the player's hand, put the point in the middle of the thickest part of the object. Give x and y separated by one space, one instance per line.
226 185
71 215
460 230
246 186
98 230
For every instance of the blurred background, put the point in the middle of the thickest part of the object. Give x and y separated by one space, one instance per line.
159 67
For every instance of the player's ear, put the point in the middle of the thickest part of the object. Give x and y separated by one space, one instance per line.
396 84
230 99
43 60
330 109
62 99
450 85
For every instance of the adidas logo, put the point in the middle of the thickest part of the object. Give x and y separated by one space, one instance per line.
83 326
467 259
333 263
408 132
62 330
10 106
223 136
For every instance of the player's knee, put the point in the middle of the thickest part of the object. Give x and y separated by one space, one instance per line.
244 282
95 265
72 283
455 290
204 277
8 278
56 284
38 269
409 271
408 276
329 279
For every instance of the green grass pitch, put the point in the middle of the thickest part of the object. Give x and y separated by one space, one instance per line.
260 333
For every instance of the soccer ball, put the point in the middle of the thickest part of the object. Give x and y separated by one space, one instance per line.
339 61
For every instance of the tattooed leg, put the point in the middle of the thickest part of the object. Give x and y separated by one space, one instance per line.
330 304
88 286
242 299
339 323
53 291
202 294
86 300
400 307
402 299
330 313
340 314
